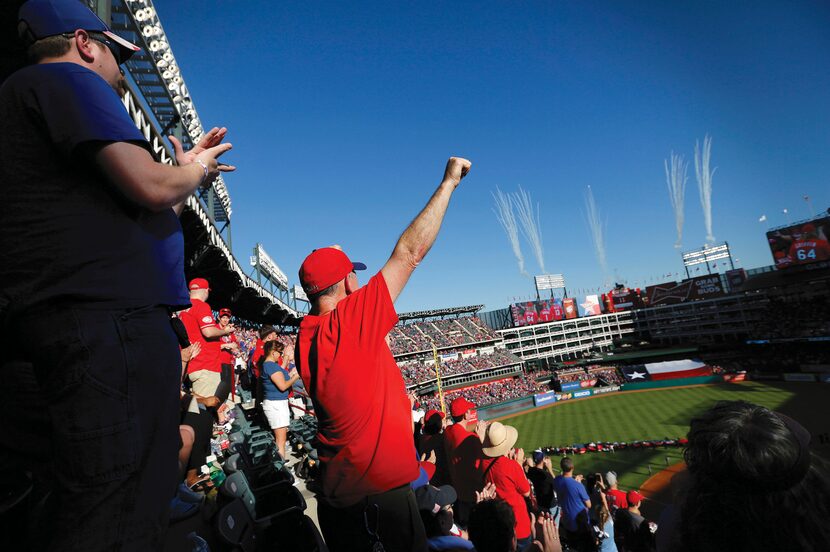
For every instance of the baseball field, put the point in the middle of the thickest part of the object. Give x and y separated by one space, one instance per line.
657 414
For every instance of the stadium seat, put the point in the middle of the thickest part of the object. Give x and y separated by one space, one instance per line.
264 504
236 527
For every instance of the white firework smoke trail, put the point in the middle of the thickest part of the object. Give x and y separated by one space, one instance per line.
597 228
505 216
530 225
704 183
676 178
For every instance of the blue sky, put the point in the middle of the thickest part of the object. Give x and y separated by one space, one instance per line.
343 114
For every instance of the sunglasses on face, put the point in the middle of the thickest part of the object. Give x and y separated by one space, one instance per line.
105 40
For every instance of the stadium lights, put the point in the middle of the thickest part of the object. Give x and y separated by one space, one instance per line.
549 281
146 18
706 255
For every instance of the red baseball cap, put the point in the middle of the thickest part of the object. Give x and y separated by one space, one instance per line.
225 312
324 268
431 413
634 497
459 406
199 283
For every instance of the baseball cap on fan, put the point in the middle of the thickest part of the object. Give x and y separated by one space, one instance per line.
39 19
325 267
198 283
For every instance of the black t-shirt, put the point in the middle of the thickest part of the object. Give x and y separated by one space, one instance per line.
633 531
67 234
543 487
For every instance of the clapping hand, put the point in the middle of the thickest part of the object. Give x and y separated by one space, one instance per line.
209 148
545 535
488 492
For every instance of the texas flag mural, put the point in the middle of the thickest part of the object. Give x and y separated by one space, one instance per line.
655 371
686 368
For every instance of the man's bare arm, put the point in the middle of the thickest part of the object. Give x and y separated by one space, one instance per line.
212 332
417 239
153 185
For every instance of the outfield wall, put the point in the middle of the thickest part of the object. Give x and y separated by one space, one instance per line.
699 380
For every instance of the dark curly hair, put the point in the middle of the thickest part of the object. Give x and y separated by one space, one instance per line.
754 484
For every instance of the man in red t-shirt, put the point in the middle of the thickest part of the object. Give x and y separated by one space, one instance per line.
205 371
228 348
503 467
364 441
464 456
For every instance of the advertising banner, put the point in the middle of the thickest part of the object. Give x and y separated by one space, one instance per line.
623 299
467 353
824 378
571 386
706 287
544 398
669 293
582 394
569 305
740 376
799 377
487 350
449 356
603 390
591 306
585 384
736 277
800 244
563 396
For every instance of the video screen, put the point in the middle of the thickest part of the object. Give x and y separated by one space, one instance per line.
801 243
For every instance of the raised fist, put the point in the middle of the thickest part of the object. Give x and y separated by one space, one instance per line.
457 168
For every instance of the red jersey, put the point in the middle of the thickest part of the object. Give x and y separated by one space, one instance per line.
226 356
464 456
259 351
365 421
511 486
557 312
805 251
617 498
195 318
530 317
544 315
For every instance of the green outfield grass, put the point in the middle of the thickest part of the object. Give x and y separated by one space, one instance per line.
654 414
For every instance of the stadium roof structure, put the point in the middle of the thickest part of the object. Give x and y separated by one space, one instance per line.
157 100
439 313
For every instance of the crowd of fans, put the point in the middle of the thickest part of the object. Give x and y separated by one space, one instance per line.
418 371
606 375
488 393
794 316
731 498
420 336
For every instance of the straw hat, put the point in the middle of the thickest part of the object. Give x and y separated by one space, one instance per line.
499 439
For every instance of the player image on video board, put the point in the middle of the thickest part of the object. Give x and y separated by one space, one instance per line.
801 243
